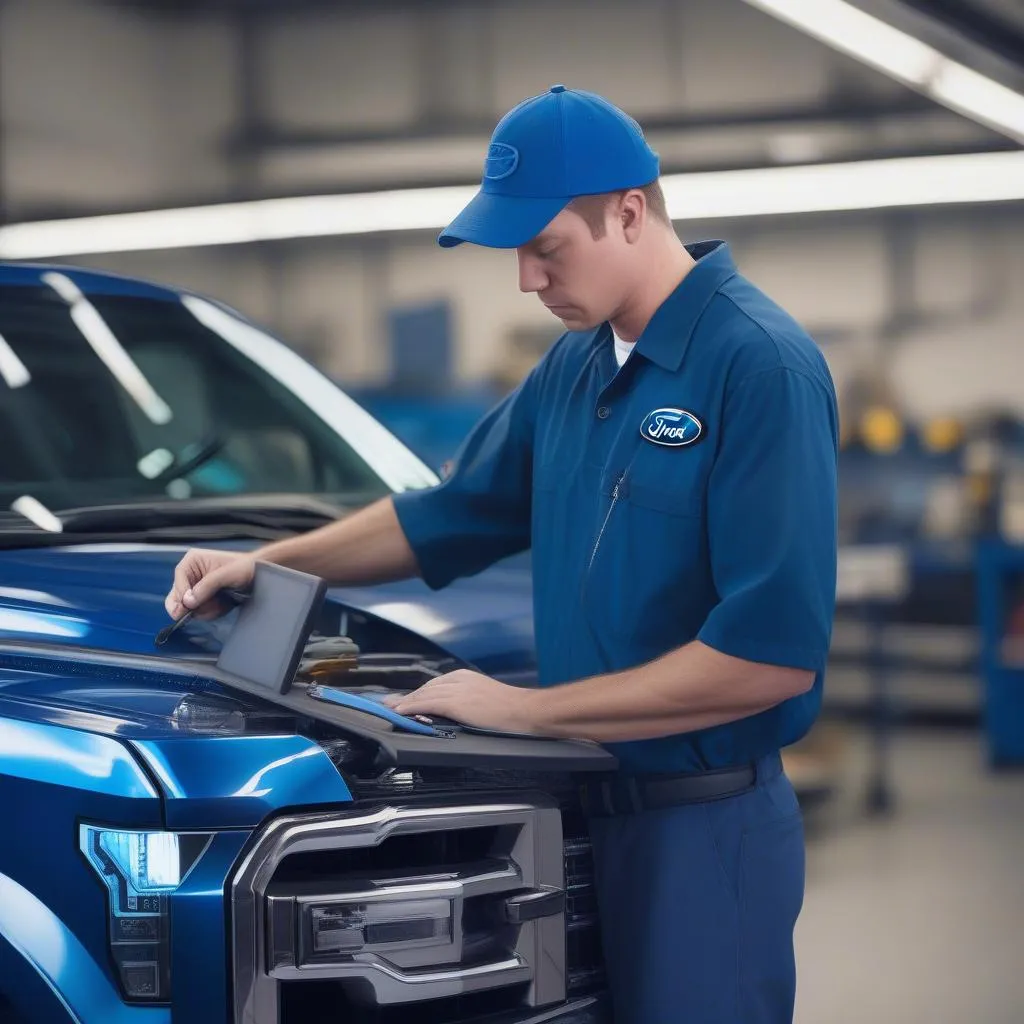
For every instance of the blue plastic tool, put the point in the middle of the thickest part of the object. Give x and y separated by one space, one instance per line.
374 707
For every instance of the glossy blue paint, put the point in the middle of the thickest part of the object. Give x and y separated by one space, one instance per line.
101 744
90 282
199 935
119 591
70 759
57 956
236 781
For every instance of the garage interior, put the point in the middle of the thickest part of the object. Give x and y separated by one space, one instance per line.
145 136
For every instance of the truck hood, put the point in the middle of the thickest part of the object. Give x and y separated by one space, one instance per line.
76 650
109 597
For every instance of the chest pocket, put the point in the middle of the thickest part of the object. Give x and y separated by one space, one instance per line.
648 582
668 480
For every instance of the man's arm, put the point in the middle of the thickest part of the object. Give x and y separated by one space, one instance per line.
693 687
366 547
480 514
772 541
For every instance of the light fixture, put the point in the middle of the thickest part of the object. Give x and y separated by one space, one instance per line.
858 185
140 871
812 188
846 28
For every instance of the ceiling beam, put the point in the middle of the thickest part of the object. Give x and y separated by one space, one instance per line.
860 112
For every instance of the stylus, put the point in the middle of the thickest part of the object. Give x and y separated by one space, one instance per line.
235 597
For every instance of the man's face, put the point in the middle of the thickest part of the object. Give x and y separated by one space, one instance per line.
579 278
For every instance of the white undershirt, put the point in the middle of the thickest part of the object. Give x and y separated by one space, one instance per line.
622 348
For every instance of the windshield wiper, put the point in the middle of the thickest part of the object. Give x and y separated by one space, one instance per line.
198 455
249 517
272 511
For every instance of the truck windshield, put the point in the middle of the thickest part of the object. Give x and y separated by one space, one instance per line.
109 399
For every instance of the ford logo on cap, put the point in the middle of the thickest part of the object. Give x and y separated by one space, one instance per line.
672 427
502 160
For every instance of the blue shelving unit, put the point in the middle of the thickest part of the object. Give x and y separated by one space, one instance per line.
1000 575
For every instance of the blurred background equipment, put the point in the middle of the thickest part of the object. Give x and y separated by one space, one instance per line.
865 161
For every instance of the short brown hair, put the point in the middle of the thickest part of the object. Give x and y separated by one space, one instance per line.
592 208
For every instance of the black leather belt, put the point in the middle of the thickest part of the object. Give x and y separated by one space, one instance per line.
632 794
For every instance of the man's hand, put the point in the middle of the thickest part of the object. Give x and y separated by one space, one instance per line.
200 575
473 699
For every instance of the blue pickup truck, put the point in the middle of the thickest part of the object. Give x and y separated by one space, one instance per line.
176 850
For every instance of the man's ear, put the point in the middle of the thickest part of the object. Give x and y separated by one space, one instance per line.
632 214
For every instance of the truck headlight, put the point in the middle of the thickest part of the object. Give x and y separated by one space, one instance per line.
140 871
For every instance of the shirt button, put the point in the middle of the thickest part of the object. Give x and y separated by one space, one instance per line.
603 412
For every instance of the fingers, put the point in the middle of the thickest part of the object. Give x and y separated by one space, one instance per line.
206 588
435 696
184 573
200 576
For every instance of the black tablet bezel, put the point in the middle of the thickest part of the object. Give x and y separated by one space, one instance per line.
264 577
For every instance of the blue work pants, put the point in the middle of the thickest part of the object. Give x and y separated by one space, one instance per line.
698 904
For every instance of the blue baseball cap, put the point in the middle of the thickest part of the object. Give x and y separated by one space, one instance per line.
544 153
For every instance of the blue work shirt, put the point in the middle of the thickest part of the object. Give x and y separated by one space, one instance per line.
690 494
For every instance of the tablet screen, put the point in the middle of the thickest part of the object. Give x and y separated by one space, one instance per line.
269 636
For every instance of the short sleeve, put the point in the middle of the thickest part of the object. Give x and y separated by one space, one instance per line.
772 521
481 512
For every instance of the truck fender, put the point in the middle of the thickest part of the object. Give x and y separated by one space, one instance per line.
48 975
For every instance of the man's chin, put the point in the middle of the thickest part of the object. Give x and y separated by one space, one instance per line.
575 320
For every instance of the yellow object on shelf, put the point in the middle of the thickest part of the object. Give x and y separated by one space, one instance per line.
943 434
881 429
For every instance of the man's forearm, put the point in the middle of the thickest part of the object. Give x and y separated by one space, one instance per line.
693 687
366 547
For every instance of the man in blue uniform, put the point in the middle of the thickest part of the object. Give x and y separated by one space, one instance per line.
672 463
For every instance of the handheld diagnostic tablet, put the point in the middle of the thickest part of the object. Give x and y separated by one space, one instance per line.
266 643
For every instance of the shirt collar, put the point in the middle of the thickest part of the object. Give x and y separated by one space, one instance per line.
666 337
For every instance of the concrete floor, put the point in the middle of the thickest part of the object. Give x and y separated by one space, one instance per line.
917 918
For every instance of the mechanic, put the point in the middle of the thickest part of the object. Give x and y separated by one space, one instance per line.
672 463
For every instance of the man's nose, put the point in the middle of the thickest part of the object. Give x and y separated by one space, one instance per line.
531 276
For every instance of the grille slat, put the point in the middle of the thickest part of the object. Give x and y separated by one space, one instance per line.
585 973
584 959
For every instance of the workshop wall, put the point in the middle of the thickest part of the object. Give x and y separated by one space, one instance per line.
952 344
123 113
133 111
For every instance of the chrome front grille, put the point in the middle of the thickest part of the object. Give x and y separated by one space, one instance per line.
386 932
584 958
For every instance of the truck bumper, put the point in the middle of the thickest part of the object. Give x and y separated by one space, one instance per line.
594 1009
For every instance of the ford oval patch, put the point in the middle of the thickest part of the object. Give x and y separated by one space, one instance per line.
501 161
672 427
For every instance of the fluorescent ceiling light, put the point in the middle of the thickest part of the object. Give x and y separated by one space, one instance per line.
860 185
865 185
900 55
262 220
979 97
868 39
